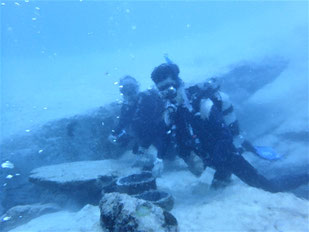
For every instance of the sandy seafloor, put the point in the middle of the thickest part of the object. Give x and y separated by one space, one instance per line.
68 85
236 208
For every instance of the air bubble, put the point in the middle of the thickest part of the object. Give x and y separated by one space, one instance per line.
9 176
7 164
6 219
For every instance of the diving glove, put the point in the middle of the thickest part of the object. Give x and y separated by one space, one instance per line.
157 167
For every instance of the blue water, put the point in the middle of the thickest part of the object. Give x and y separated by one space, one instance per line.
62 58
76 28
59 58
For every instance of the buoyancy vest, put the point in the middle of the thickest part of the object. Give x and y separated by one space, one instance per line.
223 104
195 132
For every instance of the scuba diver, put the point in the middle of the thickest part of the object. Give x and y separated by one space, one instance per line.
141 120
211 89
196 125
129 89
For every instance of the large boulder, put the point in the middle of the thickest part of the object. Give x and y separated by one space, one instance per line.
81 137
81 181
245 78
121 212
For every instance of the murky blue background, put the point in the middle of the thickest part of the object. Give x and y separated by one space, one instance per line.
60 58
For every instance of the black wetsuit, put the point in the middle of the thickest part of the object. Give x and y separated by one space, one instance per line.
142 120
212 141
206 90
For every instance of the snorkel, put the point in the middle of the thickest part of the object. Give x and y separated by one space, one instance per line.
167 60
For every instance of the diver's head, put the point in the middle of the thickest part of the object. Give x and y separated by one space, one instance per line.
129 87
213 83
166 78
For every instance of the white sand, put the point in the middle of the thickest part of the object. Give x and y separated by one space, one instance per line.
86 219
236 208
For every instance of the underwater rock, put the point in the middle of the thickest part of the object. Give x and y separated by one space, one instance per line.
121 212
24 213
18 191
77 138
81 137
68 175
80 179
246 78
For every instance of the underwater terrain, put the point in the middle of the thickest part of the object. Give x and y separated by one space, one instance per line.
60 64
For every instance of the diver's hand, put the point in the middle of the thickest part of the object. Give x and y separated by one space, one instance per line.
157 168
120 138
